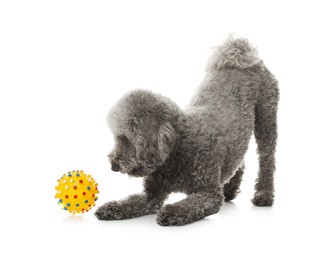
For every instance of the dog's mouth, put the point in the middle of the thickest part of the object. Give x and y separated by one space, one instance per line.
137 172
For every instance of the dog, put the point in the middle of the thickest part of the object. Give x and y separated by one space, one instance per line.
200 150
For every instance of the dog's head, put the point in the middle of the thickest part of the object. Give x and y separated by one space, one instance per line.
143 124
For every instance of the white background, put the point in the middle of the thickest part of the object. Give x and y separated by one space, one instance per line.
64 63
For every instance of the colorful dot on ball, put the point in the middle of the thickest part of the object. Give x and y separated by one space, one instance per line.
69 189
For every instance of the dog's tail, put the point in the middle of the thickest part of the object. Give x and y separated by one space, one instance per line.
233 53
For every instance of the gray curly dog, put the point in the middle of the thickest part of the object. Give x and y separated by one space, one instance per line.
200 150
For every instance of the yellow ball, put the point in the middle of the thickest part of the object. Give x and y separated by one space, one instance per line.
76 192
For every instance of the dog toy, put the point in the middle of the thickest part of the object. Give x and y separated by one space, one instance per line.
76 192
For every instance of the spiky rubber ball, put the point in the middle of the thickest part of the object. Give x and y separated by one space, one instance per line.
76 192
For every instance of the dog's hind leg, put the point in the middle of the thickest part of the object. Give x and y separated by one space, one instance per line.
266 139
232 188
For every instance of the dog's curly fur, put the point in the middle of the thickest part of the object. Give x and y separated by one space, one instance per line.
198 151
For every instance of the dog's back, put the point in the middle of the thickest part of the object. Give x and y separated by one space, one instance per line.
235 81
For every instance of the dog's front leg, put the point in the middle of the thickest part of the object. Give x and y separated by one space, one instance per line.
194 207
134 206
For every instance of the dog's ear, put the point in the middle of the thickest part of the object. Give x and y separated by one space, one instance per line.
166 140
155 144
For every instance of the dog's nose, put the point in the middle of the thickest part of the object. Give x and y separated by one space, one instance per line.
115 167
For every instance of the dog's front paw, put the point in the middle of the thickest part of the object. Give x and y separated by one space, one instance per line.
110 211
263 199
173 216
